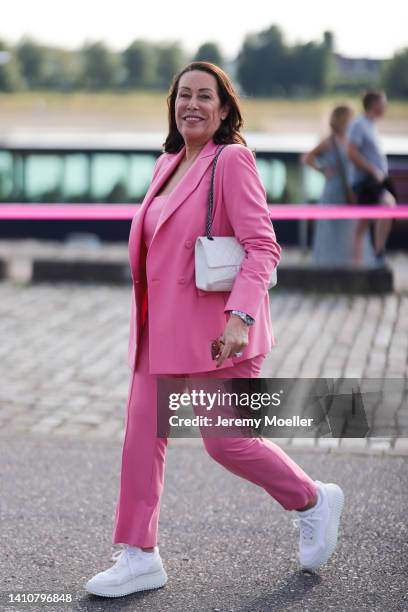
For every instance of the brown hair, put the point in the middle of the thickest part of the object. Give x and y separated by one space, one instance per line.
371 96
229 130
339 117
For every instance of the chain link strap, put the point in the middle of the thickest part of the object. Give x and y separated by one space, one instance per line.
208 226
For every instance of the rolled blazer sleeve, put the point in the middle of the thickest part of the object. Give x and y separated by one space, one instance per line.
245 202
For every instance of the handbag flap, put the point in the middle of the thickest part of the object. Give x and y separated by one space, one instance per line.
222 251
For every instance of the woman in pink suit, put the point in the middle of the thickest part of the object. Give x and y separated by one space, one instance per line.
173 324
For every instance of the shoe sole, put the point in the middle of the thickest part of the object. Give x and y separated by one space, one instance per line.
335 497
144 582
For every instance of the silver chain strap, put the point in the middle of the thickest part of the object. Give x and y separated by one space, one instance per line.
211 197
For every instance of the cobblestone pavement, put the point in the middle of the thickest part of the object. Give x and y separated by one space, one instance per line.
63 357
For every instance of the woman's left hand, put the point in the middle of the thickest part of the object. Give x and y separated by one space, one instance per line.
233 340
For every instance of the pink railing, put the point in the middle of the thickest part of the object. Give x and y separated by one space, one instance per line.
127 211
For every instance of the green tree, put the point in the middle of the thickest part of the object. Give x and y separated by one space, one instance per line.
48 67
62 69
308 69
329 64
261 63
395 75
10 77
101 69
329 41
170 60
32 59
266 66
209 52
140 62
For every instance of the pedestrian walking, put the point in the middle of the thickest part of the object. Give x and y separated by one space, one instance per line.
369 175
173 325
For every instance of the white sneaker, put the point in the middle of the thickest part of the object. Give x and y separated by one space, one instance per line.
133 571
319 526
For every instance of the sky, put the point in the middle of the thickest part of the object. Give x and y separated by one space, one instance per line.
362 28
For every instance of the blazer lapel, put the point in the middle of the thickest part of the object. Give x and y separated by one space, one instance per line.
181 192
168 167
188 183
136 229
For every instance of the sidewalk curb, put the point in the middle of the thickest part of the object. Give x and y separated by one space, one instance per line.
400 449
361 446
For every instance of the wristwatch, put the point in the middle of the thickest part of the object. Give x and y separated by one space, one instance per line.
242 315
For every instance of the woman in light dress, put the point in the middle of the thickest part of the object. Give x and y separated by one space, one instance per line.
332 244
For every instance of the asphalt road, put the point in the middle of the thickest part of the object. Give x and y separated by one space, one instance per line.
226 544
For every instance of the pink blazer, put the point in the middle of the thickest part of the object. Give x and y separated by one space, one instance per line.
183 320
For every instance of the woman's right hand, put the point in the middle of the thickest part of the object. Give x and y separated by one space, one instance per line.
233 340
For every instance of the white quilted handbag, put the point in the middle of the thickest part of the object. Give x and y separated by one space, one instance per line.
218 258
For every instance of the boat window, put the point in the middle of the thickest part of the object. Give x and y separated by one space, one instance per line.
273 174
42 177
6 175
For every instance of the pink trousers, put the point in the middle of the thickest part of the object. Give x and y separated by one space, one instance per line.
143 455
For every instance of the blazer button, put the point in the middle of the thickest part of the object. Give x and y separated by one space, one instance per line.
188 244
182 280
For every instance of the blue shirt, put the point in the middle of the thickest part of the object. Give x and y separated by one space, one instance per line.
363 134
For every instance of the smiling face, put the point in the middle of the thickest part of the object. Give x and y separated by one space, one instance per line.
198 108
